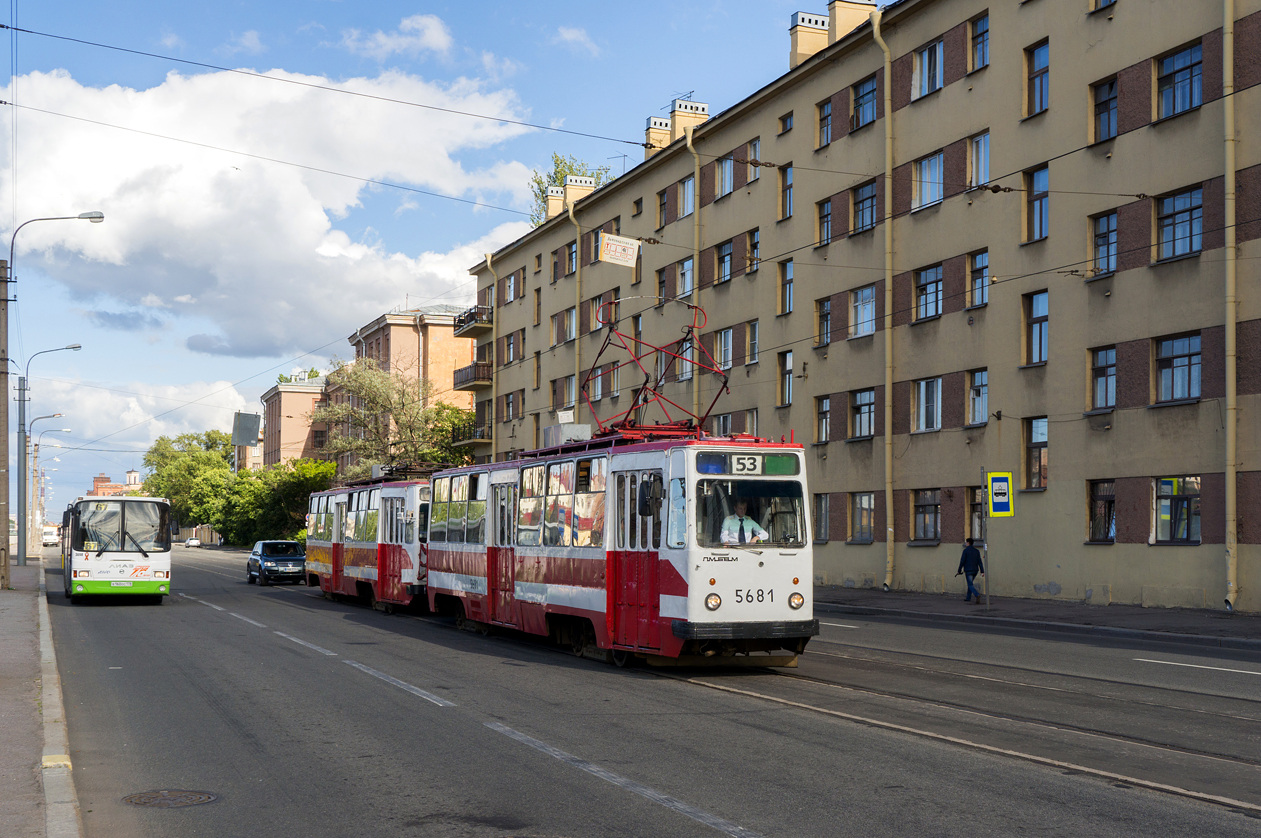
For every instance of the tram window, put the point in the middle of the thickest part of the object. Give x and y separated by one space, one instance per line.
422 523
459 505
475 519
438 511
632 510
775 506
559 522
619 500
530 514
676 532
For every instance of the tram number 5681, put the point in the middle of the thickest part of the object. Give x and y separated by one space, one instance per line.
760 595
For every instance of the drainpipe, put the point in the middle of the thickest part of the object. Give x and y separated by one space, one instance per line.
494 354
1232 313
577 310
888 301
696 257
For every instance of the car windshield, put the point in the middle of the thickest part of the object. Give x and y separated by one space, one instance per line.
765 510
283 550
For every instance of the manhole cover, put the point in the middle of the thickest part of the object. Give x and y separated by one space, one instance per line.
170 798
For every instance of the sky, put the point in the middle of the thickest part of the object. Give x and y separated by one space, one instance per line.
275 175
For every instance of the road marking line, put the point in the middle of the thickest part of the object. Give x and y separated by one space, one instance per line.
1196 666
246 619
840 625
203 602
990 749
319 649
402 685
655 796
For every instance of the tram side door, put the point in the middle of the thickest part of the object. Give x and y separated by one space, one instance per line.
636 599
502 555
338 546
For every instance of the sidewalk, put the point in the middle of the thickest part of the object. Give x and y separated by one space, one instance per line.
21 722
1187 625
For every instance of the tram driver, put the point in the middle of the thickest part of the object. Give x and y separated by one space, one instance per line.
739 528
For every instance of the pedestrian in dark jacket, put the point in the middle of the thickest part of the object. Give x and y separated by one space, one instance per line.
970 565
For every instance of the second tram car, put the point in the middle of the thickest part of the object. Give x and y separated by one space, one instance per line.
625 548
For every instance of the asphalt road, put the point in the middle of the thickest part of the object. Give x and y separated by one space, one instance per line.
316 718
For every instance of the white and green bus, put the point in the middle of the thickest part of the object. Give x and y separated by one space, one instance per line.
117 545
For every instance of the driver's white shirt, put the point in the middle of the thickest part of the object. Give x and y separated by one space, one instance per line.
731 530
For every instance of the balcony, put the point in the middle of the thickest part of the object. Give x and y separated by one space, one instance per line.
472 433
474 377
474 321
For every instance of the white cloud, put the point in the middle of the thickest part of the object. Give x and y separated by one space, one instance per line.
415 34
171 41
578 39
248 43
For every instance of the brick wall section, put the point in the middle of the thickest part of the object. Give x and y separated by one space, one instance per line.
1213 508
1248 362
903 298
953 402
903 70
1248 51
707 268
838 520
1133 509
901 516
1133 374
672 204
955 59
840 114
739 255
1134 97
1249 506
953 512
1211 66
840 215
709 187
902 178
880 304
1214 203
878 530
1213 362
840 316
1134 235
955 169
740 175
1248 204
901 407
954 273
838 421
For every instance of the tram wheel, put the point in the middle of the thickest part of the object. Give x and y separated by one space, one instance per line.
622 658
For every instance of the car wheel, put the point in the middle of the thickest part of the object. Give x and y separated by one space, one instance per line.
262 578
249 577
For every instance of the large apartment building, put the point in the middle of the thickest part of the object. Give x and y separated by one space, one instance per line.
954 239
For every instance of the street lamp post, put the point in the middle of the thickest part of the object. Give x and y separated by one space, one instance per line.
6 275
37 489
24 441
24 529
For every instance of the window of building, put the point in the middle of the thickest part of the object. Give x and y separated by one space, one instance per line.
510 406
926 410
864 207
637 207
862 414
538 262
538 370
979 278
538 306
928 292
976 513
1038 207
979 175
1105 243
1103 378
927 186
571 258
862 526
786 123
785 191
786 286
686 361
1177 510
862 303
864 102
722 258
978 397
825 123
1036 453
752 343
1105 110
687 196
1178 84
821 517
685 277
722 424
754 247
755 155
1178 368
927 71
510 349
927 514
565 392
1038 60
615 380
724 175
1103 511
750 421
822 416
722 349
981 42
825 221
663 203
1103 4
823 321
1037 327
785 367
1179 224
661 286
510 287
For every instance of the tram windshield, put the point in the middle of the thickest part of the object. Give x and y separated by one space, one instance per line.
739 512
122 527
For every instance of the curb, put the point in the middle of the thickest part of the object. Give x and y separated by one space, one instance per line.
61 803
1241 643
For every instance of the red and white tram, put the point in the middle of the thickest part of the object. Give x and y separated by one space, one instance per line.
367 540
624 548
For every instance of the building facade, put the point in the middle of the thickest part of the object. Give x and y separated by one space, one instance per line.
954 239
288 433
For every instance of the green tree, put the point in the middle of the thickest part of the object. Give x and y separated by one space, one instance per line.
189 470
561 166
389 418
271 503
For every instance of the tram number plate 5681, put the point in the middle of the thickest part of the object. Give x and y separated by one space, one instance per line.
760 595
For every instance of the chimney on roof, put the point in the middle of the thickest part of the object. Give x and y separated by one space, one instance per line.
811 33
844 16
656 135
684 113
555 201
578 187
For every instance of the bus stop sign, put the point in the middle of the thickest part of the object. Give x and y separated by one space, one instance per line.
1000 495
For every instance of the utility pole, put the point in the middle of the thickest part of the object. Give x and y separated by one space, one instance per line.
4 425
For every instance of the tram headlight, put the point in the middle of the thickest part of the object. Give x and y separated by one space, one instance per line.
713 601
795 601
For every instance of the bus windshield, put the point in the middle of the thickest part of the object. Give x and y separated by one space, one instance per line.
121 527
735 512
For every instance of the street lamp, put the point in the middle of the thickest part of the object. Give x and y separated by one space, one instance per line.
24 441
40 493
24 504
7 277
